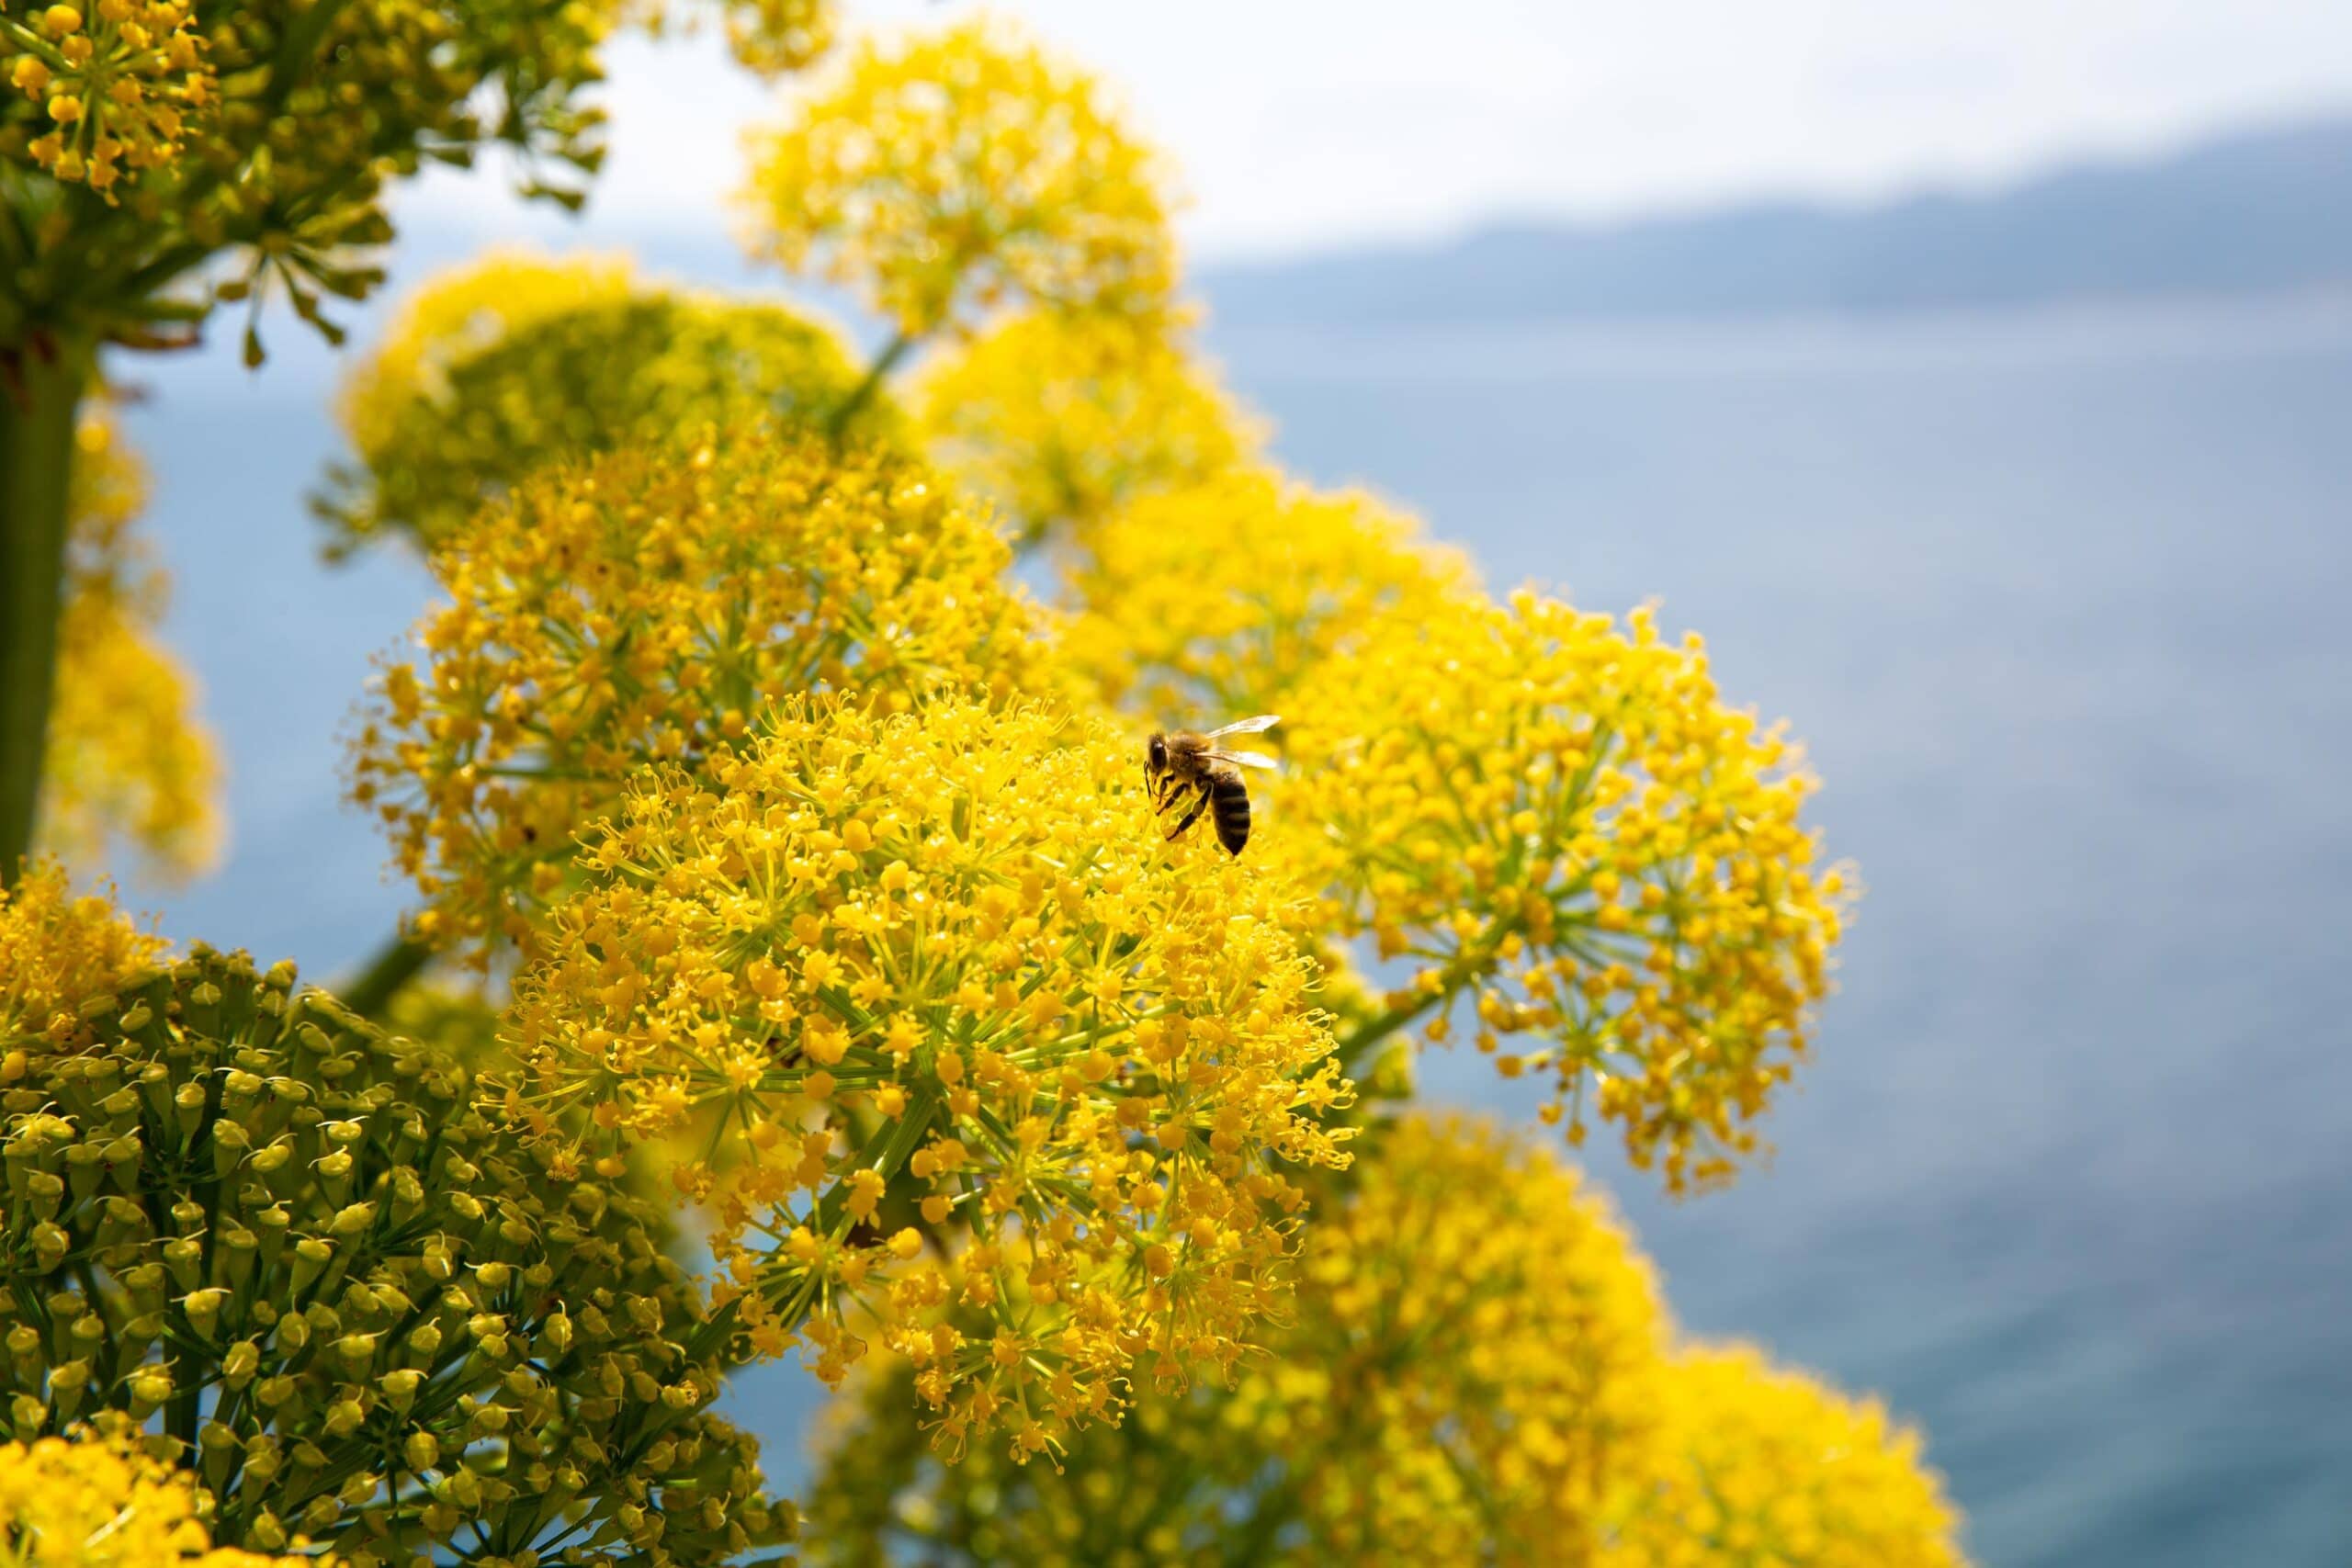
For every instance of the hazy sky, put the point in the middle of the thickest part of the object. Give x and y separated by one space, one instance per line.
1309 123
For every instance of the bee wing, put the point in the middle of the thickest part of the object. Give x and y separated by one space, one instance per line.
1247 758
1246 726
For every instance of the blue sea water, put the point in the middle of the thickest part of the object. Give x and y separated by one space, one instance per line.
2058 602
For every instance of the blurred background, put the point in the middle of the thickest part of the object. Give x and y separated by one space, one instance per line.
1978 377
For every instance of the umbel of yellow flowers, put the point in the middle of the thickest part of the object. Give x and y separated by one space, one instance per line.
127 763
641 608
1757 1464
948 942
61 947
100 1501
771 37
1530 809
944 175
1060 419
1477 1368
517 361
118 86
1202 603
1561 819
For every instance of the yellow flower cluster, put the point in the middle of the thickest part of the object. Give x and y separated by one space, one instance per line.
1477 1370
117 80
773 38
1560 818
278 191
943 176
936 971
1769 1469
1061 419
60 951
1526 805
641 608
463 311
93 1501
1218 600
126 758
498 368
1472 1360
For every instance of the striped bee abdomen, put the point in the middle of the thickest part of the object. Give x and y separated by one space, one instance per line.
1229 803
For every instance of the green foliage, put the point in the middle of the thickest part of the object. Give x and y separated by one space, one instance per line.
310 106
364 1310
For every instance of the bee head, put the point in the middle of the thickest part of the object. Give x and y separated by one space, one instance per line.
1155 755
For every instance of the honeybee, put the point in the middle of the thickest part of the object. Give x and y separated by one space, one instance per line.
1184 766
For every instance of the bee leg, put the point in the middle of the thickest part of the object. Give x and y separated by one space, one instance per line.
1200 803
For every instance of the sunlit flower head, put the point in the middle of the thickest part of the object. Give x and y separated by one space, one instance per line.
1766 1467
1474 1355
118 83
1530 810
1467 1375
498 368
127 762
101 1501
1558 821
641 607
1062 419
61 949
942 958
941 176
459 314
1219 599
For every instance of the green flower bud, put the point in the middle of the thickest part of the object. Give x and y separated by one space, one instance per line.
311 1258
400 1388
150 1387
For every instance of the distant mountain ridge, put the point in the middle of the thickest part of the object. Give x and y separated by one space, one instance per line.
2255 213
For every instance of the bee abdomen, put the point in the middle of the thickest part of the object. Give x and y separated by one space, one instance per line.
1229 803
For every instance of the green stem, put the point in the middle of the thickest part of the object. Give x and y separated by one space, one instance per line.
396 962
1350 1051
836 424
36 416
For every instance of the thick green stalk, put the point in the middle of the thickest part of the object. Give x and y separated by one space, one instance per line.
371 991
849 408
37 414
1352 1050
